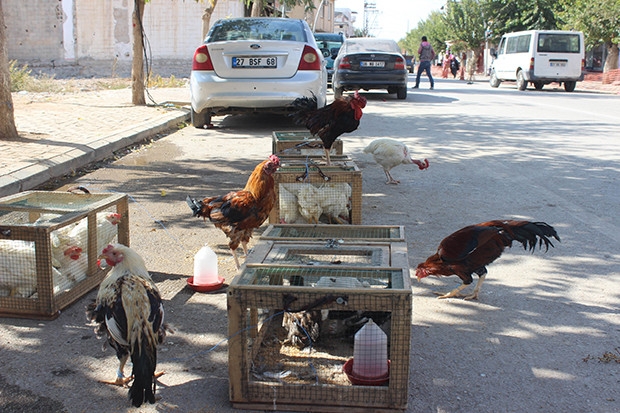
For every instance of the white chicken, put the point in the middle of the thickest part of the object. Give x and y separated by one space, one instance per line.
129 310
107 229
18 269
335 200
309 206
390 153
288 206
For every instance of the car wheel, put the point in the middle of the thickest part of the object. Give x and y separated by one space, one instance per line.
494 81
401 93
521 83
338 92
199 120
570 86
538 85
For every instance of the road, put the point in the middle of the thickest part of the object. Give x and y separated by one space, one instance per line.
531 343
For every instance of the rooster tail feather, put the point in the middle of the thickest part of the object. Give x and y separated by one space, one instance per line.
302 108
196 206
144 359
534 234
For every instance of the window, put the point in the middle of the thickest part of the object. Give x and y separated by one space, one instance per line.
559 43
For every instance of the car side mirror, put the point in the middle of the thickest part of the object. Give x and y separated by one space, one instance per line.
493 53
335 51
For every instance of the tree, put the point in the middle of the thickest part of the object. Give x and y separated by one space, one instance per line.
137 62
7 113
599 20
508 16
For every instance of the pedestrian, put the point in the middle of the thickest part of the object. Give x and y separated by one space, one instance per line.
445 65
427 54
471 67
454 66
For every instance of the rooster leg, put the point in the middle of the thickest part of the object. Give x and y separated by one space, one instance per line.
234 254
454 293
121 380
328 160
474 295
390 180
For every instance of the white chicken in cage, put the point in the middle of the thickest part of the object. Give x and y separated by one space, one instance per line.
335 200
309 206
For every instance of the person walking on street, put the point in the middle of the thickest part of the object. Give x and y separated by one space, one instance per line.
427 54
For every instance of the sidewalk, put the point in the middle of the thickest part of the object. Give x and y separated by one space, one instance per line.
61 133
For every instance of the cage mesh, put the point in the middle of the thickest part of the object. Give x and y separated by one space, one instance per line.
294 342
49 243
301 143
309 193
363 233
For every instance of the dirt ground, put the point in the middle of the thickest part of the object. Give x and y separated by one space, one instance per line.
541 338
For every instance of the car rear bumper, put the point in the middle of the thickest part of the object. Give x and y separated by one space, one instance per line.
210 91
531 77
352 80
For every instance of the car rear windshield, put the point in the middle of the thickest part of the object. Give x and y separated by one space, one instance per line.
558 43
257 29
371 45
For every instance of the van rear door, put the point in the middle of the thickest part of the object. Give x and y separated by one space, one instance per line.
558 55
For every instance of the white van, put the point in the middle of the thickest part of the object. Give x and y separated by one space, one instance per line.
540 57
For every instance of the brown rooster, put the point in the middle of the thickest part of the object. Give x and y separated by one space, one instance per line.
329 122
470 249
130 312
238 213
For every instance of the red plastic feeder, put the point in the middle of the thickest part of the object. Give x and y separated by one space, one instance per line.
204 288
365 381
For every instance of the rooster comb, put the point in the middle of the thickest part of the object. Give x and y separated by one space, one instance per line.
274 159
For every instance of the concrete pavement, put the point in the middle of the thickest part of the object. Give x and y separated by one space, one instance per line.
59 133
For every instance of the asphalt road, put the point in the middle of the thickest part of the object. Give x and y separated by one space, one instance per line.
535 341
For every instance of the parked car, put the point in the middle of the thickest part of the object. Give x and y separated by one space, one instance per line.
370 63
539 57
255 65
330 44
409 62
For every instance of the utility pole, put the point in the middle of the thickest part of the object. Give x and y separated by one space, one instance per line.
370 17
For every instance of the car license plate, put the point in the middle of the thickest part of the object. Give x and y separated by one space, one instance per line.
558 64
373 64
268 62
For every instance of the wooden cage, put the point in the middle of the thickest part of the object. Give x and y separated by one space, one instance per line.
338 277
310 192
301 144
268 371
49 244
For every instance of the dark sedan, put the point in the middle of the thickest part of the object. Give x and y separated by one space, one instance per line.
369 63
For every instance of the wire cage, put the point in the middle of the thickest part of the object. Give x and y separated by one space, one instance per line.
352 233
49 244
308 192
301 144
295 338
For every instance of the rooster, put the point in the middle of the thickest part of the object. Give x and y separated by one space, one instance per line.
329 122
130 312
238 213
390 153
470 249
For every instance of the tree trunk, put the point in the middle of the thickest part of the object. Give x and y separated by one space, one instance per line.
137 67
7 117
257 8
206 18
610 70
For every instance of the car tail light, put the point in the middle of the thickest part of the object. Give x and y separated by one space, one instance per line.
202 59
345 63
400 63
309 59
532 63
583 64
